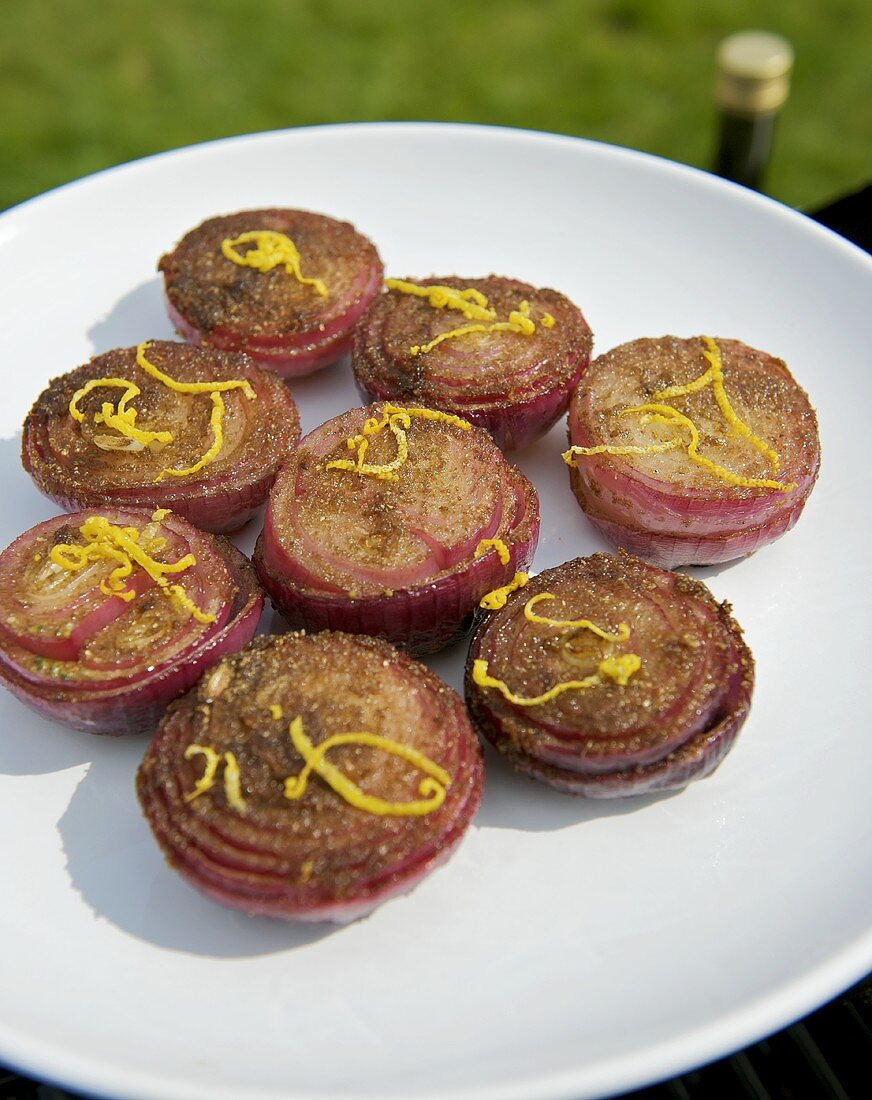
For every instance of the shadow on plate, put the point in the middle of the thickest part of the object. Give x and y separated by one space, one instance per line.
515 801
116 867
138 315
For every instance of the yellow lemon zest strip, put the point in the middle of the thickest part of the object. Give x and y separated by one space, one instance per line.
207 779
232 778
619 669
666 414
232 783
715 377
474 307
498 545
190 387
432 788
106 542
271 249
470 302
658 413
569 457
497 597
623 632
519 321
122 419
276 711
397 418
216 423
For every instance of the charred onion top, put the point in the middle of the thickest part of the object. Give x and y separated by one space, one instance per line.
216 295
476 369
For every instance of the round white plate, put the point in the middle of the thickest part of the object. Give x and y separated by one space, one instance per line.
570 949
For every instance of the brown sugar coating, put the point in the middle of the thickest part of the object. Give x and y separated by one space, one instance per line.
479 368
693 668
320 847
215 294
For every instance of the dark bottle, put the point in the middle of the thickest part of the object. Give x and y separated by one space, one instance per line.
752 84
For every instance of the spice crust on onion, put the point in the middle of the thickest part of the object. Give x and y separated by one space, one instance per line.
497 351
633 680
285 286
162 425
311 777
691 452
383 523
106 617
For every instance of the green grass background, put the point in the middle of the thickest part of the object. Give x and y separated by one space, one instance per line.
85 84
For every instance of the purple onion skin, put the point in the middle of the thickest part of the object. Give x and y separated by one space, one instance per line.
340 912
669 551
138 706
419 620
512 426
696 759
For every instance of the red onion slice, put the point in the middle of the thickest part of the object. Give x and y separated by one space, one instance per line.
674 718
345 551
122 666
666 507
285 326
71 469
252 854
512 385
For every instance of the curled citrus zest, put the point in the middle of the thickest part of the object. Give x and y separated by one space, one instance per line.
123 419
497 545
232 778
618 669
276 711
622 634
569 457
207 779
190 387
271 249
714 376
474 307
666 414
470 302
432 789
232 786
105 541
497 597
397 419
658 413
216 423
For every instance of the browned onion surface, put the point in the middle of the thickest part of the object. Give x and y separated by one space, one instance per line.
285 325
104 665
258 435
345 551
672 722
316 858
512 385
666 507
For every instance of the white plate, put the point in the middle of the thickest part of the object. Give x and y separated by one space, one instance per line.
569 949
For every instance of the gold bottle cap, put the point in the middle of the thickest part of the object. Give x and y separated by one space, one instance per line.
753 72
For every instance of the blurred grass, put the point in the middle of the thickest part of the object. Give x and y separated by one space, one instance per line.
85 84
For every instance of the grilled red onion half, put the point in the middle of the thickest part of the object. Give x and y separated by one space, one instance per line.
316 856
285 325
396 558
673 719
513 385
85 464
665 507
103 663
